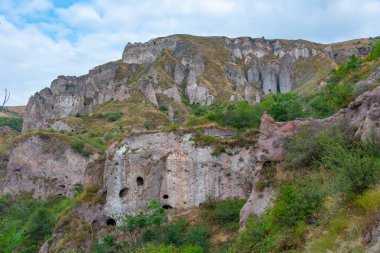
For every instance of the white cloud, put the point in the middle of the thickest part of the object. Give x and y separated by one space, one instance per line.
39 42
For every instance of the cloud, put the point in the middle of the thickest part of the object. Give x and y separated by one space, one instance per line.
41 39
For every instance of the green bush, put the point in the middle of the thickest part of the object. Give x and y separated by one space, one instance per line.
295 204
13 122
79 147
330 99
25 223
375 51
112 117
223 213
197 236
163 108
284 107
40 225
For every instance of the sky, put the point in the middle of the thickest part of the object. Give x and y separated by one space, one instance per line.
42 39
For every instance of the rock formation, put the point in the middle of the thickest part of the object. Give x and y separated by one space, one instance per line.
205 69
169 167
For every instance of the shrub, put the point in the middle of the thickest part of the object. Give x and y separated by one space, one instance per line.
13 122
79 147
112 117
284 107
163 108
330 99
197 236
40 225
223 213
375 51
218 150
295 204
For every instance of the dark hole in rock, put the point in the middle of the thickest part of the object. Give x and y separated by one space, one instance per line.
140 181
123 192
165 196
167 207
62 186
95 222
268 164
60 194
104 193
111 222
17 170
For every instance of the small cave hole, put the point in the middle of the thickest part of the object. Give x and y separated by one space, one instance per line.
165 196
111 222
140 181
62 186
123 192
167 207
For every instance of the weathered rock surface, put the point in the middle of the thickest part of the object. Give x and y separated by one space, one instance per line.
171 168
205 69
45 166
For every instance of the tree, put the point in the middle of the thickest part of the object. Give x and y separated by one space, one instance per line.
6 99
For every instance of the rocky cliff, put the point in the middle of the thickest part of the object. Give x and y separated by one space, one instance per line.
171 168
46 165
204 70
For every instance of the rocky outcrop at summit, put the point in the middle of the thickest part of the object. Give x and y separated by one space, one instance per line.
204 69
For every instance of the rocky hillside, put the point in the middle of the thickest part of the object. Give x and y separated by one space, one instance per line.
180 120
172 71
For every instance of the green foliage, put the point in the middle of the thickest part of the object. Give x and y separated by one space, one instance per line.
375 52
330 99
13 122
163 107
40 224
197 236
225 213
79 147
284 107
295 203
25 223
112 117
305 148
239 115
218 150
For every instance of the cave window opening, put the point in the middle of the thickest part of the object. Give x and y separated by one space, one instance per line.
167 207
165 196
111 222
62 186
123 192
140 181
278 84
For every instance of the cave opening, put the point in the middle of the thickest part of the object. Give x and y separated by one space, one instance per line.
278 89
123 192
140 181
167 207
165 196
111 222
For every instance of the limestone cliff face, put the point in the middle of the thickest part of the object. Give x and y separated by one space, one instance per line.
169 167
45 166
205 69
363 114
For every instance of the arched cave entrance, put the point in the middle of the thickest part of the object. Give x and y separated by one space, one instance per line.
111 222
165 196
140 181
167 207
123 192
